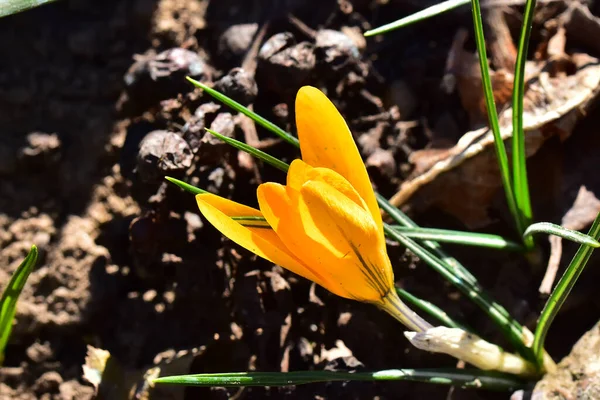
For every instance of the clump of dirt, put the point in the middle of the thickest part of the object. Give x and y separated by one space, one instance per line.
96 110
577 375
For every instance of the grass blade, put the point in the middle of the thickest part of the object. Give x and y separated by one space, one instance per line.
186 186
562 290
493 116
9 7
247 112
457 377
557 230
418 16
261 155
519 157
460 237
430 309
8 303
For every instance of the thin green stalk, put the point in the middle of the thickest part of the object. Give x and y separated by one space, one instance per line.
459 237
186 186
557 230
430 309
519 156
8 303
472 379
562 290
493 116
509 326
261 155
418 16
247 112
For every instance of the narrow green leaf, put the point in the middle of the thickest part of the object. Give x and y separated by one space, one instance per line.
557 230
244 110
511 329
186 186
8 303
418 16
430 309
519 156
493 116
474 379
9 7
261 155
562 290
460 237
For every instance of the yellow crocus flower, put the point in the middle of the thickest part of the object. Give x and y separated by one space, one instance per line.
324 224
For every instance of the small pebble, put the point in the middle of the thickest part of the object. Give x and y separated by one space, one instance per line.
42 150
235 41
284 67
212 149
383 161
239 85
162 153
153 78
193 130
49 382
275 44
334 49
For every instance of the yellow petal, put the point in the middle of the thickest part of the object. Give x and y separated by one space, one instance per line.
322 245
327 212
326 141
228 207
280 209
300 173
261 241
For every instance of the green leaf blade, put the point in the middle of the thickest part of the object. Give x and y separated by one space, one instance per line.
445 376
505 173
186 186
557 230
10 296
9 7
418 16
519 156
561 292
459 237
261 155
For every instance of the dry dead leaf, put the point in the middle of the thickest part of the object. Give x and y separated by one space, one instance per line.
465 181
